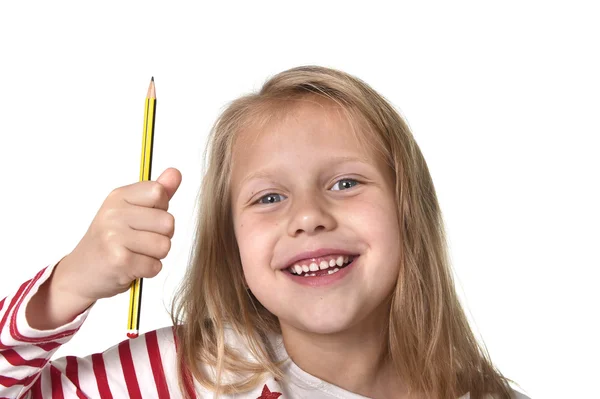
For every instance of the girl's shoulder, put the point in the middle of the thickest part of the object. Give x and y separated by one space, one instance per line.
518 395
163 344
514 394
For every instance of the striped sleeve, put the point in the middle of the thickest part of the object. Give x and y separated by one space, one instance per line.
25 352
134 368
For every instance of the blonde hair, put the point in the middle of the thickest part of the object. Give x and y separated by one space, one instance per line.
430 342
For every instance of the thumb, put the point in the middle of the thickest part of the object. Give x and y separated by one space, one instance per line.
170 179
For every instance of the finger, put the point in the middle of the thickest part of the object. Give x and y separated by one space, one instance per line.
146 243
129 265
150 219
170 180
150 194
143 266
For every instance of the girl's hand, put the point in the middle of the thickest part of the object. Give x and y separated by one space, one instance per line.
128 237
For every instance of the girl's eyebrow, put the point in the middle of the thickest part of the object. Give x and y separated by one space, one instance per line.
259 174
332 161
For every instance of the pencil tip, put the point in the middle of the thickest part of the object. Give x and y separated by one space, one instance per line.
153 78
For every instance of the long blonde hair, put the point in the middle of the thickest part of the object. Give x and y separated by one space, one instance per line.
430 342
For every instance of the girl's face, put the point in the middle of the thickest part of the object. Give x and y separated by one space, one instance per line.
307 196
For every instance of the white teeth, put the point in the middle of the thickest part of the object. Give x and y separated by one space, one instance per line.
314 266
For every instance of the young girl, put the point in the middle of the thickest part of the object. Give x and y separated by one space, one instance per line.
320 268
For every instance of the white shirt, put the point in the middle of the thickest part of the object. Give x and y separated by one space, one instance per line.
145 367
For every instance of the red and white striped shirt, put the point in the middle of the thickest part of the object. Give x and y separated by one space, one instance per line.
145 367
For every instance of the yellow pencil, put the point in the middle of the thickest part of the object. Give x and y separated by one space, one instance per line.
135 292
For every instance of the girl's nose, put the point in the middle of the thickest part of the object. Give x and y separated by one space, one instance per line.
310 216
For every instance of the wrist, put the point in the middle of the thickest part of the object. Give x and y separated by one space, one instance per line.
53 306
66 285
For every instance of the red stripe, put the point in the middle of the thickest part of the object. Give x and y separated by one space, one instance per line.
100 374
14 331
71 370
48 346
2 303
72 375
157 367
10 306
57 390
133 388
36 389
187 377
16 360
9 382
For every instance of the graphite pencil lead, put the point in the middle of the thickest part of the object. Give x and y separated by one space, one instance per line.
153 78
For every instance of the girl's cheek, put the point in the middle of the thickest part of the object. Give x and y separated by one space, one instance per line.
253 232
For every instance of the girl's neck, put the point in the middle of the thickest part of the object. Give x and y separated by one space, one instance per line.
354 360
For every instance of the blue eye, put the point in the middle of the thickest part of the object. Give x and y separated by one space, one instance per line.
344 184
270 199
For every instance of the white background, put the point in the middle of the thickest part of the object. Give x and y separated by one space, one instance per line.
503 100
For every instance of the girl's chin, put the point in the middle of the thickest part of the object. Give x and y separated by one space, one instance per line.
324 324
335 318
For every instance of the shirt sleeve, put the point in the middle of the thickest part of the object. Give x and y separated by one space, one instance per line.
25 367
133 368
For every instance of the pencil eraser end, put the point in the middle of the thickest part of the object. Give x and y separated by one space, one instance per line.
132 334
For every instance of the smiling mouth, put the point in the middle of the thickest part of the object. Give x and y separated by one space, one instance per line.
321 266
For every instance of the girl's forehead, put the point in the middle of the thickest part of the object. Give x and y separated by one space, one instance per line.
308 138
307 122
